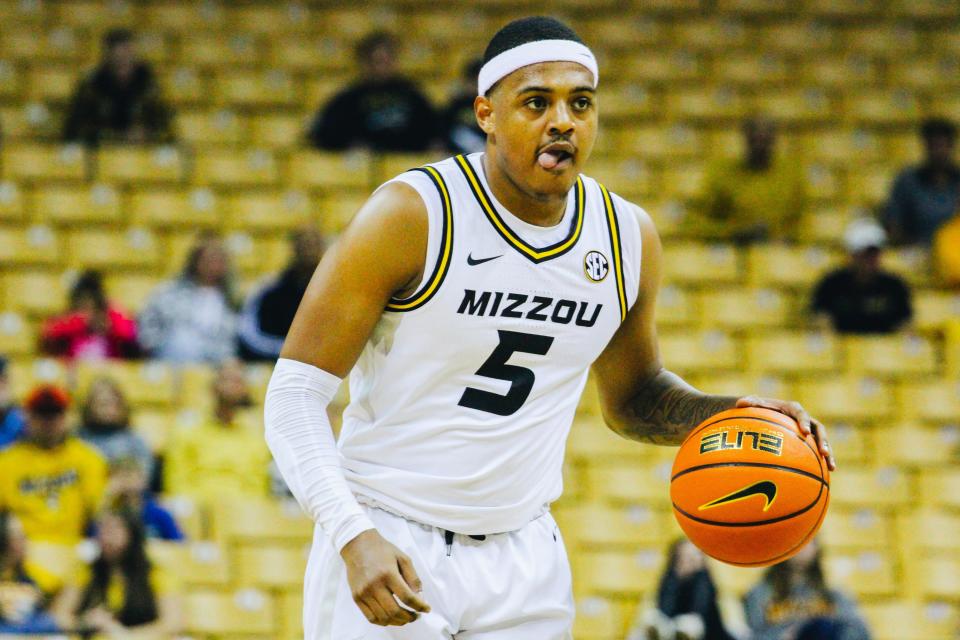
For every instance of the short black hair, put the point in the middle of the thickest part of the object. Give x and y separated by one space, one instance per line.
937 127
372 41
526 30
113 37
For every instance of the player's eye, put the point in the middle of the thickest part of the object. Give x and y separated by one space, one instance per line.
582 103
537 102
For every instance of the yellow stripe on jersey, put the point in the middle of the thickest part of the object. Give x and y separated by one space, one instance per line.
614 229
421 297
534 254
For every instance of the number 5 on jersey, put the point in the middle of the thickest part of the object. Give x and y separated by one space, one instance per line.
496 367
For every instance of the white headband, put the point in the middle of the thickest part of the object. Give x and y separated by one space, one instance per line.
505 63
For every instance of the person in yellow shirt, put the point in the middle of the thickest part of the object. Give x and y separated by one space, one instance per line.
759 197
222 457
122 590
29 594
52 481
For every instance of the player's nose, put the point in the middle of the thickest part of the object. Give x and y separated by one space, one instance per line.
561 120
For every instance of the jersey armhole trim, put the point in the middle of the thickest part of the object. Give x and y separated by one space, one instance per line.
613 229
423 295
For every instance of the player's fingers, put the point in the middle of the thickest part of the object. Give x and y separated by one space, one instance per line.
792 409
365 610
396 615
380 616
820 433
409 574
401 590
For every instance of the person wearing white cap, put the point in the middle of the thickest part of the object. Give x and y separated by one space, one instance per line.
468 300
861 297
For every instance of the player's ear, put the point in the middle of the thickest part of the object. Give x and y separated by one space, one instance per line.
483 109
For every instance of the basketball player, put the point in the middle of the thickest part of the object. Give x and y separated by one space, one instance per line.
468 299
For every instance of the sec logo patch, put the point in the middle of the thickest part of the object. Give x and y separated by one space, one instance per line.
596 266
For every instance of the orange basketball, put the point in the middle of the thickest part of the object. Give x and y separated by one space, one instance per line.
748 489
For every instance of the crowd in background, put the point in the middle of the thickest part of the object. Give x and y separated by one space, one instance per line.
62 482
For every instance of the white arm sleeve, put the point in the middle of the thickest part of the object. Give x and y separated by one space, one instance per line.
299 435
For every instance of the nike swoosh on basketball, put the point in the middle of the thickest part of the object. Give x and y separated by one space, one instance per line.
475 261
763 488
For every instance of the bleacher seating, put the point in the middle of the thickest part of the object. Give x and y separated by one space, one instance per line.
847 80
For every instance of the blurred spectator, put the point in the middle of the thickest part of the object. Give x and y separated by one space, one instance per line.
127 491
192 319
924 197
221 457
946 252
105 424
461 132
381 111
121 590
12 421
119 101
760 197
268 312
28 593
51 480
92 329
861 297
793 602
686 601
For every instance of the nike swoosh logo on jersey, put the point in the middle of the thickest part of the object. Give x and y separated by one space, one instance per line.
763 488
474 262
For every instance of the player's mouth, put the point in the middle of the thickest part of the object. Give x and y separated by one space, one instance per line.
557 156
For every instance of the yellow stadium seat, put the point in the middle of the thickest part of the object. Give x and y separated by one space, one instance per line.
851 444
745 308
696 264
57 45
212 128
184 86
135 248
130 290
940 577
30 121
628 103
270 20
906 147
389 165
17 337
934 400
673 6
268 210
923 9
257 255
311 54
627 177
789 266
94 204
856 528
36 245
93 15
841 146
941 487
597 619
166 208
825 225
271 567
618 573
881 39
910 263
154 426
321 89
52 84
61 560
270 89
195 564
872 107
932 309
630 484
237 614
23 14
328 171
599 526
731 579
710 34
751 7
927 530
840 71
880 488
277 131
911 620
800 37
261 520
909 444
44 162
659 143
890 356
25 374
225 52
11 82
591 439
291 615
138 166
708 105
35 293
869 185
841 9
751 69
865 573
922 74
12 206
184 17
677 307
703 351
669 66
739 384
791 353
846 399
253 168
808 105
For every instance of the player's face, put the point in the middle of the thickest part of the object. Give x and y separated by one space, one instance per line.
542 121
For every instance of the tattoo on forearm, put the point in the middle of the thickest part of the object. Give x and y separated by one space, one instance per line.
666 408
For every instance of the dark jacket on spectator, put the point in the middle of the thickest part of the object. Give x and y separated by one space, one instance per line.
104 109
392 115
268 314
880 305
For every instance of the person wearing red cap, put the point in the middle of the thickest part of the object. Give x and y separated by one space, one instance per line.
51 480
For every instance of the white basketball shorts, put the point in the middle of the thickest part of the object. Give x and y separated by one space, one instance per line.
509 586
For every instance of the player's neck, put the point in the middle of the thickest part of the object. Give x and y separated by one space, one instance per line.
542 210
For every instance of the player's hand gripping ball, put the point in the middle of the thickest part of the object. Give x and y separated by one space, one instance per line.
748 488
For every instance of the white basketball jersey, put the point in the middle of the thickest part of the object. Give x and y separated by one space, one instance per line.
462 400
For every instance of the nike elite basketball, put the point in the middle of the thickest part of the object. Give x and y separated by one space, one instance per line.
748 489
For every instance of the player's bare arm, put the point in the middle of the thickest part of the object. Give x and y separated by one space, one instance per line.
640 399
381 254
